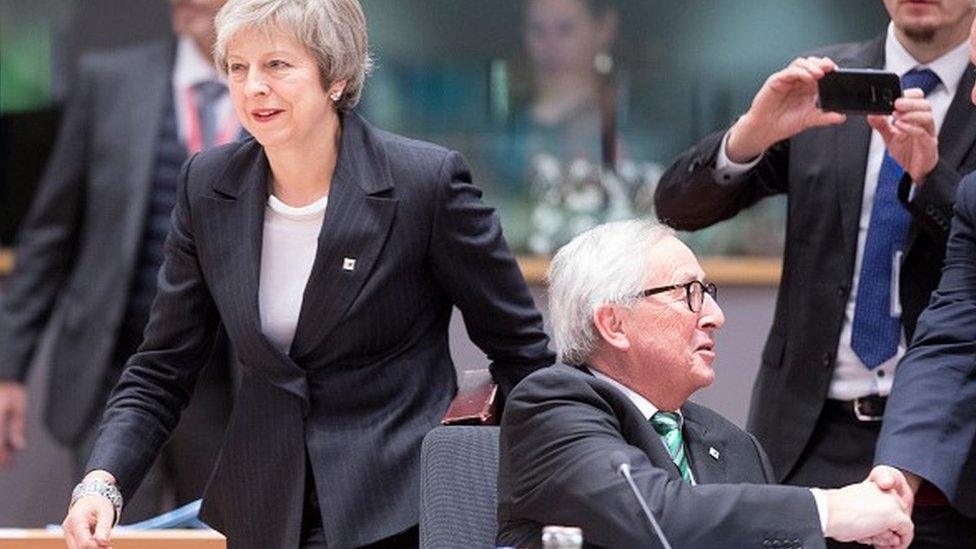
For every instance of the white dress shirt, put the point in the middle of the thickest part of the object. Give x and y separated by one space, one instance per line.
851 379
288 248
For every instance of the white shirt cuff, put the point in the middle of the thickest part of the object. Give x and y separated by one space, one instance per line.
912 191
727 170
822 510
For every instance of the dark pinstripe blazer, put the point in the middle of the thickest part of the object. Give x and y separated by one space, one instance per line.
369 371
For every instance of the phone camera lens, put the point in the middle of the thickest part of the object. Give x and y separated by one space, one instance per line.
887 95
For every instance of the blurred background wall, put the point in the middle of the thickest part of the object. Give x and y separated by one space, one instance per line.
457 72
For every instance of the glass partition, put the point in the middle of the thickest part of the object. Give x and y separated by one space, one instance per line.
569 111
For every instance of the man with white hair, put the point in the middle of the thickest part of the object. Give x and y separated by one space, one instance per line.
634 322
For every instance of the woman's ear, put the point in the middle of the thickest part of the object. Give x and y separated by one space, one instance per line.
336 89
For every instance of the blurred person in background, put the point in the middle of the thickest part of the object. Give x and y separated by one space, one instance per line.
333 254
92 245
563 135
868 220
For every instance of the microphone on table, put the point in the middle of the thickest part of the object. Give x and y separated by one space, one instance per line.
620 464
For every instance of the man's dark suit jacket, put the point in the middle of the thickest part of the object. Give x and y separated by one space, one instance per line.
559 430
930 422
80 244
369 371
822 173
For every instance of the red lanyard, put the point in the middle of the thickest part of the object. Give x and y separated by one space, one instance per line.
194 134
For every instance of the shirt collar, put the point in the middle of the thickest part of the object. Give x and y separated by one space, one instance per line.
949 67
646 408
191 67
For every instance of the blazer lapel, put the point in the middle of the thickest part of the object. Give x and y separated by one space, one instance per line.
707 462
357 223
851 143
240 221
959 127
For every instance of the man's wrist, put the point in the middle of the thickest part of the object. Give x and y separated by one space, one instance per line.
741 146
919 179
914 481
823 508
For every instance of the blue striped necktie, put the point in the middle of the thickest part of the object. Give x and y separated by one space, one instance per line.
876 330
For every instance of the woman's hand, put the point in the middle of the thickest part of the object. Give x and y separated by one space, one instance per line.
90 518
89 522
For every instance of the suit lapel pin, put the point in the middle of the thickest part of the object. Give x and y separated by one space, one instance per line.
713 452
348 264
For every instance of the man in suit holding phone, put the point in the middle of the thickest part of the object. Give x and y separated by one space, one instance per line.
865 239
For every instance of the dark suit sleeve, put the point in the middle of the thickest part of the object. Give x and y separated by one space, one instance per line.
48 238
929 426
932 202
557 438
473 265
689 198
158 380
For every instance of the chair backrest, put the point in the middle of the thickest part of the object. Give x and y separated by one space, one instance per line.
458 487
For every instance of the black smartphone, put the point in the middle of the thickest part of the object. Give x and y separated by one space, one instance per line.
859 91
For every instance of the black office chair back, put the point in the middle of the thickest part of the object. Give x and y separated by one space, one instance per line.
458 487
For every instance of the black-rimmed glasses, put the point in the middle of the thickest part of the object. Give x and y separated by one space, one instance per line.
694 293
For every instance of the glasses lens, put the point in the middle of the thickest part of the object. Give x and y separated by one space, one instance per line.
696 295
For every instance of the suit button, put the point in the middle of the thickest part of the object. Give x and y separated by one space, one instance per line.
930 209
825 360
842 290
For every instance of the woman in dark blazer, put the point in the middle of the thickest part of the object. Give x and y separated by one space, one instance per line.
332 253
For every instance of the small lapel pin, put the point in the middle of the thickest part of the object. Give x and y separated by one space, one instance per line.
348 264
713 452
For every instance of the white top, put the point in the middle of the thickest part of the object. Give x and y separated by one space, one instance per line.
851 379
288 248
189 69
647 410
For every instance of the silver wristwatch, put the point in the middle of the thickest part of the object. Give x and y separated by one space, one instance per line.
101 488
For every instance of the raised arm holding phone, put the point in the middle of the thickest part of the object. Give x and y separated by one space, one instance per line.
869 203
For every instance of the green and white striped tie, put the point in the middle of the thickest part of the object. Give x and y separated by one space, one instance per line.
668 425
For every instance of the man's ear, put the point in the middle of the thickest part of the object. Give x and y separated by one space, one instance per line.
609 322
